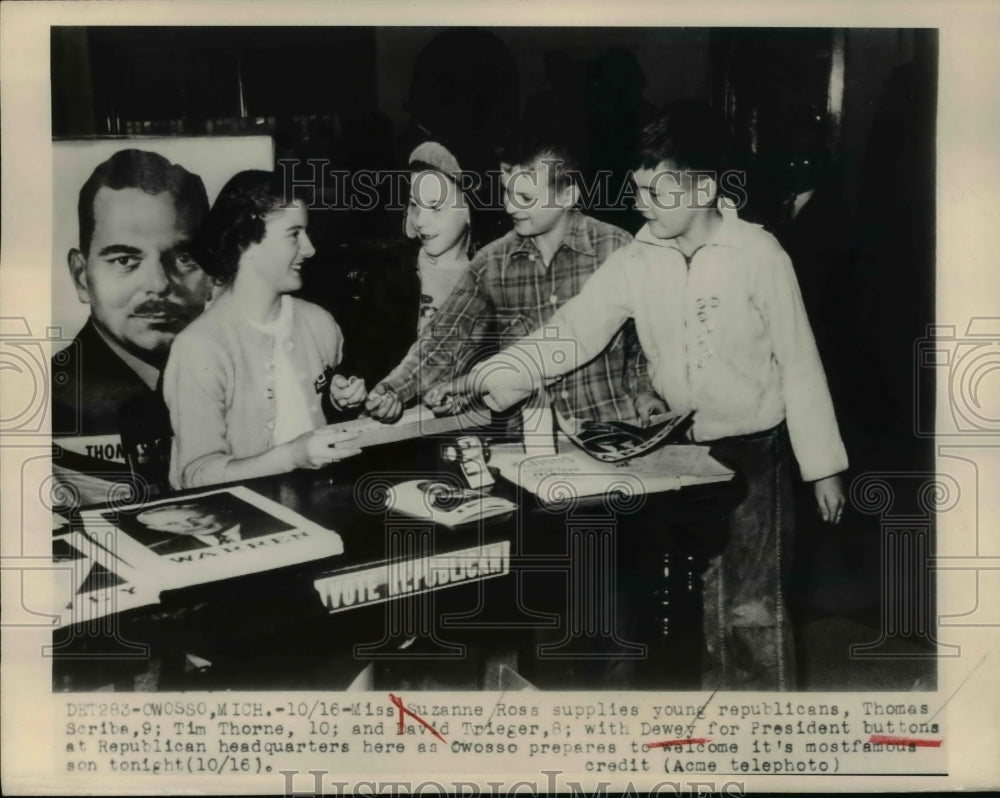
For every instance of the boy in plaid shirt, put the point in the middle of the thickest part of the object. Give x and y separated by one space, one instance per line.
513 286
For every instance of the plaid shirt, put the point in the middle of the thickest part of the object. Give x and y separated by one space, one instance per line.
506 293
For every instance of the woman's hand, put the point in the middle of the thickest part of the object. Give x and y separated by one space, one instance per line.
830 498
321 447
647 405
383 404
346 393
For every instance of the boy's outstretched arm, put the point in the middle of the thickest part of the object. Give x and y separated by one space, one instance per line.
574 336
434 356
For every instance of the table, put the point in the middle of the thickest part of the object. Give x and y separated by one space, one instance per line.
599 594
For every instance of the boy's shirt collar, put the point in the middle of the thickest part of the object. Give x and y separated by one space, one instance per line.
727 234
576 238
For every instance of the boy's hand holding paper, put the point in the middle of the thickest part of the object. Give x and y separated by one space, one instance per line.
384 404
647 405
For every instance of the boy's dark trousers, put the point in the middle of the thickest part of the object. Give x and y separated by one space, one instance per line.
748 636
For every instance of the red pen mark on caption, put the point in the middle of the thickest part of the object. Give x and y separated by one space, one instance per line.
403 711
678 743
883 739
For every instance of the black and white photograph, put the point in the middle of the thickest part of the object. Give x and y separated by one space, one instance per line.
203 537
794 370
666 305
192 524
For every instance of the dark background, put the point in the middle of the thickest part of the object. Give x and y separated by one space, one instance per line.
361 97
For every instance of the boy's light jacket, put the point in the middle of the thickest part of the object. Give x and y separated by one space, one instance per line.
725 334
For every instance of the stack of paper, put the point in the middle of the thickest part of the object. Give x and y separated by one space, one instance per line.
574 474
416 422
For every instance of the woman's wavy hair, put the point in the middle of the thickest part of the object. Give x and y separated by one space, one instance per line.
237 220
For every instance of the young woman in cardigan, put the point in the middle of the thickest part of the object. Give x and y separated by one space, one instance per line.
245 382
